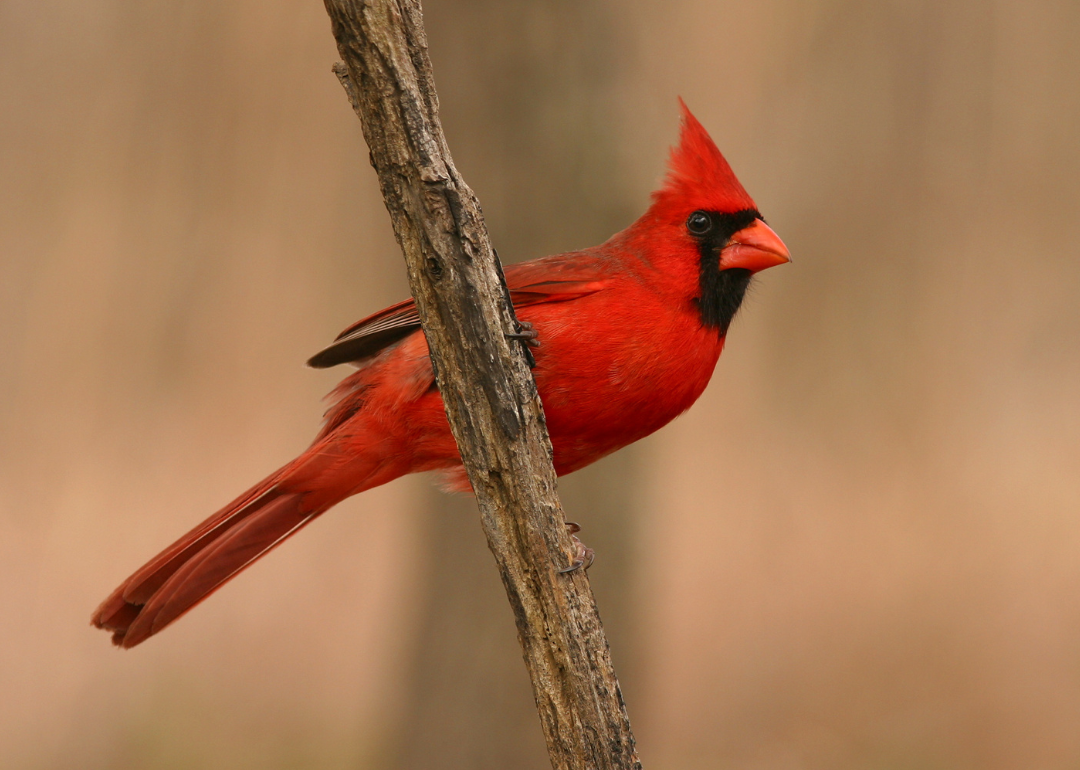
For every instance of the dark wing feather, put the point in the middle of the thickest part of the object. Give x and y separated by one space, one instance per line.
367 337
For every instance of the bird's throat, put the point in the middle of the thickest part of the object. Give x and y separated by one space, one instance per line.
722 292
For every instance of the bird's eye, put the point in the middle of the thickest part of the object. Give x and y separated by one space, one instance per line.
699 223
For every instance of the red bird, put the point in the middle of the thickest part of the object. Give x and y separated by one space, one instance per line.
629 334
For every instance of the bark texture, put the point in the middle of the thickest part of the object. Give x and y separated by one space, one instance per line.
489 392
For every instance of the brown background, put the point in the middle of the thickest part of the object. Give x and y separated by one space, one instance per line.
859 550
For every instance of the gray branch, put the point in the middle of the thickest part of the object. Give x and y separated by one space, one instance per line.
485 381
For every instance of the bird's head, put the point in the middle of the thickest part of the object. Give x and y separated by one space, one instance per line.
704 214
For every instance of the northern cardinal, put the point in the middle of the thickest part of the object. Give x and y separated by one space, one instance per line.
629 333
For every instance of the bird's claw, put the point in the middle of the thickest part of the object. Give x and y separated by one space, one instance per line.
584 556
526 333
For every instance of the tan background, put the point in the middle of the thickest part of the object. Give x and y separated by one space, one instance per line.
859 550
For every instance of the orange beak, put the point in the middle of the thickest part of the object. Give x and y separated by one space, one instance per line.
754 248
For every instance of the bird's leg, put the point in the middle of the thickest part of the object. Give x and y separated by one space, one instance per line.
523 330
584 555
526 333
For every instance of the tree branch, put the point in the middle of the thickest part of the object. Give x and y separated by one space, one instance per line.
487 387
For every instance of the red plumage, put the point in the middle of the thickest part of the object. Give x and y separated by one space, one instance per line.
629 333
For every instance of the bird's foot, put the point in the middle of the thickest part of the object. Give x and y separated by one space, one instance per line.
526 333
584 555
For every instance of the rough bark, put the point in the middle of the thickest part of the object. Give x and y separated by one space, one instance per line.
489 392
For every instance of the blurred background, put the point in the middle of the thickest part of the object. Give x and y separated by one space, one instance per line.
858 550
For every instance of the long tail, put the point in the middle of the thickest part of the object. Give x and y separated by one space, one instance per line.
235 537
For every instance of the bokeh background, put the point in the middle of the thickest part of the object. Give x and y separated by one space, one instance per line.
858 550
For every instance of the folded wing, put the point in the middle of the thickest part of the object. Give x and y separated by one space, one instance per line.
556 279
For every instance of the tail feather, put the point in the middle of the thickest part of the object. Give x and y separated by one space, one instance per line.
145 583
203 560
211 568
337 465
